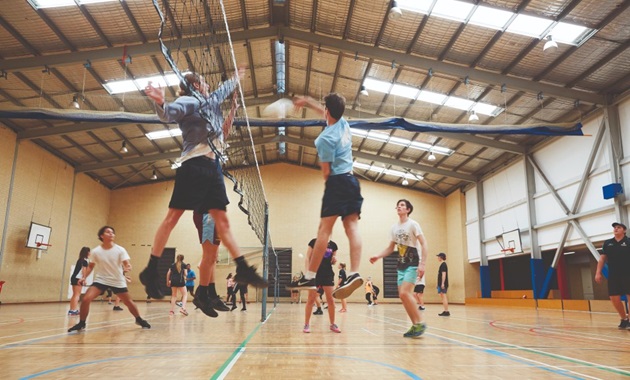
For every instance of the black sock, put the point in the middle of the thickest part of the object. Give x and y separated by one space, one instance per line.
212 291
153 262
202 291
138 318
240 262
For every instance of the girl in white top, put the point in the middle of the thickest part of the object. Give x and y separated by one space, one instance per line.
113 261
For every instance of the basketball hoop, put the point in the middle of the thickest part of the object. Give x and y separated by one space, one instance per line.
507 250
40 244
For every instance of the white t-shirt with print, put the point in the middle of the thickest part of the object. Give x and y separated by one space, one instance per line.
109 265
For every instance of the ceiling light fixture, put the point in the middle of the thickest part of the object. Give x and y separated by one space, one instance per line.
405 182
431 157
123 148
75 102
363 91
473 116
154 176
395 12
550 44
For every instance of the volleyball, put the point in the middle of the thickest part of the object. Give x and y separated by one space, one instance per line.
279 109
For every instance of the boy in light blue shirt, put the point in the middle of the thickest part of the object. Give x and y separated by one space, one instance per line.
342 196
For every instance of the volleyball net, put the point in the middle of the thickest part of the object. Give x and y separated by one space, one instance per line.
194 37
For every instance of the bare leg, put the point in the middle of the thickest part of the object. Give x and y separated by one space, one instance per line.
129 303
405 292
223 228
76 293
184 294
351 225
308 309
164 231
89 296
208 263
344 305
444 301
619 306
331 303
323 236
173 299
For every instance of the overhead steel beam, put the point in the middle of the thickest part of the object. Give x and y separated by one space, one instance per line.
401 58
275 140
443 67
57 60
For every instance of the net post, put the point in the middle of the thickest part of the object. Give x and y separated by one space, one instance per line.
265 273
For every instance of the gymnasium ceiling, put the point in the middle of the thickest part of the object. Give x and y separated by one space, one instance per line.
331 45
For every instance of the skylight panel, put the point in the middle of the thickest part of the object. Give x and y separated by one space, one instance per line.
392 172
418 6
487 109
568 33
459 103
130 85
384 137
452 9
404 91
431 97
529 25
490 17
377 85
165 133
41 4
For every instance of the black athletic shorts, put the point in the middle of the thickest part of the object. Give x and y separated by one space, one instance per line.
618 285
418 289
74 281
199 186
324 281
103 288
342 196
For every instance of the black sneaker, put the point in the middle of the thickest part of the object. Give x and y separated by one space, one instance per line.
248 275
624 324
421 308
118 308
149 279
144 324
318 312
345 290
448 314
302 284
217 304
233 307
205 307
78 327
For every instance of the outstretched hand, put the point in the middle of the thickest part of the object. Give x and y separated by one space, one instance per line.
156 94
373 259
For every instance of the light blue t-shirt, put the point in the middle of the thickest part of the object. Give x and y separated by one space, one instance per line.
334 145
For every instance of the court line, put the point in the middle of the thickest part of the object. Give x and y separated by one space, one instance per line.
505 354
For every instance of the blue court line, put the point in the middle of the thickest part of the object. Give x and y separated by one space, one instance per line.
507 356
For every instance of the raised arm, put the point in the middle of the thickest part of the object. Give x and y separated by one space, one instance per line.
307 101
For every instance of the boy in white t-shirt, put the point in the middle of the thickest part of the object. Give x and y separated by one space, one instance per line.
113 262
407 237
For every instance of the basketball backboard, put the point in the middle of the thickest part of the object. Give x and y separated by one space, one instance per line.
510 242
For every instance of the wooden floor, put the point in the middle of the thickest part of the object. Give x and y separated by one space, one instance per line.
474 343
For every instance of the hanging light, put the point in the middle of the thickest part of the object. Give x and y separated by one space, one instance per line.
123 148
550 44
154 176
75 102
473 116
405 182
431 156
363 91
395 12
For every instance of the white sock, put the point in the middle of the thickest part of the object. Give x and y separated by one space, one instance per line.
351 273
310 275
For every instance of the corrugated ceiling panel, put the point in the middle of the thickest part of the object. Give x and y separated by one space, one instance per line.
331 17
616 68
398 34
300 14
469 44
504 51
435 36
366 20
257 13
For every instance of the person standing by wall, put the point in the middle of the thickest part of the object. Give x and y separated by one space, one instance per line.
191 276
342 279
616 252
442 283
